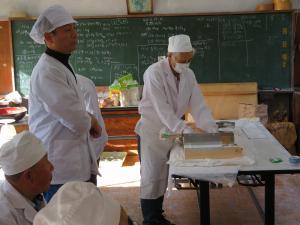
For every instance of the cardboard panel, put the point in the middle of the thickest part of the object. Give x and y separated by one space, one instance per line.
224 98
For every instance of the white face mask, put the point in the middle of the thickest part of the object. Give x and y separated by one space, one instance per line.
181 67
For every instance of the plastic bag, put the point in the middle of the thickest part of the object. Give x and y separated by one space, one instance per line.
128 90
129 97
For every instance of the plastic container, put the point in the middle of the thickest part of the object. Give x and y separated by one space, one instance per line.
129 97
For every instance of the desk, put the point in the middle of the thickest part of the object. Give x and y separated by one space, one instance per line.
264 149
120 123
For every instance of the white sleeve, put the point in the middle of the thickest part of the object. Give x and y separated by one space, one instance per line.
158 98
61 101
91 104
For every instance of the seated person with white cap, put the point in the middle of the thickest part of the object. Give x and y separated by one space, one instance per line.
81 203
28 173
170 90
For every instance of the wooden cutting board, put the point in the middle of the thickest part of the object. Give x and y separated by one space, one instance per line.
225 152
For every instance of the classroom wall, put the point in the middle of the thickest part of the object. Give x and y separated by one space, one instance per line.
118 7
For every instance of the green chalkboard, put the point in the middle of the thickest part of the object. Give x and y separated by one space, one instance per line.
229 47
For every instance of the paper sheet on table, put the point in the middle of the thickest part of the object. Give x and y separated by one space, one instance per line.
251 129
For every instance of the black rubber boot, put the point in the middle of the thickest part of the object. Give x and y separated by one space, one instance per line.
149 210
152 210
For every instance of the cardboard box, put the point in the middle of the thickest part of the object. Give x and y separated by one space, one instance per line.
282 4
265 7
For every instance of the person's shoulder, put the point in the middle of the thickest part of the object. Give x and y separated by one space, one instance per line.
190 74
84 79
46 63
85 82
155 68
45 59
49 68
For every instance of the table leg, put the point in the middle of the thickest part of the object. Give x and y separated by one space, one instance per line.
203 201
269 199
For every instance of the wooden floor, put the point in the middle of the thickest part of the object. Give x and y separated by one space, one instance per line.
229 206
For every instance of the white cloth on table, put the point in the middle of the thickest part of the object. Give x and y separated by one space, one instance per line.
213 170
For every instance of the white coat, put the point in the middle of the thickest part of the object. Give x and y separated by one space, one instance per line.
88 88
14 208
163 105
58 117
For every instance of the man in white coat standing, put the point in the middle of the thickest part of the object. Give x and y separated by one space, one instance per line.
170 90
57 113
89 91
28 173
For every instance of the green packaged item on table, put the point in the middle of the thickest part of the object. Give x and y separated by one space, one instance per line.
115 86
124 82
125 78
128 90
276 160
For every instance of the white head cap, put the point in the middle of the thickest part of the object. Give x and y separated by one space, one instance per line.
180 43
53 17
20 153
77 203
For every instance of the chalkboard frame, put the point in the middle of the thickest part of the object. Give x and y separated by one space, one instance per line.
190 14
